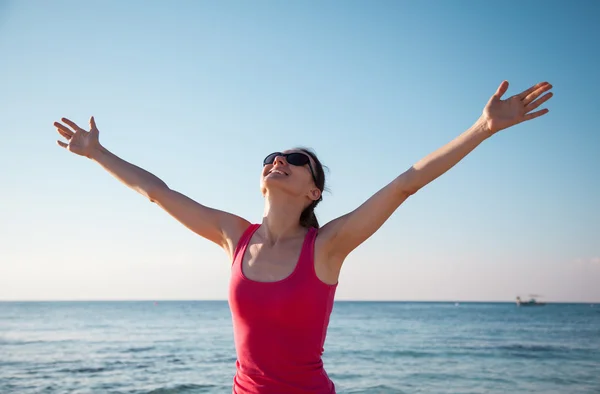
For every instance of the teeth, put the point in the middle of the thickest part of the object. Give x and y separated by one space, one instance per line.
278 172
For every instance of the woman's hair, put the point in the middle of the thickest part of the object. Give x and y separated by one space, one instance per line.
308 218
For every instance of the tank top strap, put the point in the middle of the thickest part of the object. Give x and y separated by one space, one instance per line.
306 262
240 248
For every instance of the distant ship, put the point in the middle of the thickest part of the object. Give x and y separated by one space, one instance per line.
532 301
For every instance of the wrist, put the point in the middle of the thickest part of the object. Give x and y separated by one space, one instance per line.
482 127
96 152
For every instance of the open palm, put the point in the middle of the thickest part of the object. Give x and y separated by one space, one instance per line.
80 141
501 114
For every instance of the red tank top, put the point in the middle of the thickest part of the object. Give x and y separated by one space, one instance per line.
279 327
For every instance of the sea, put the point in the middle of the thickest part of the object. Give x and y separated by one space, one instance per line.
168 347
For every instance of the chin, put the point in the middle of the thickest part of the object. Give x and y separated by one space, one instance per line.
268 184
277 184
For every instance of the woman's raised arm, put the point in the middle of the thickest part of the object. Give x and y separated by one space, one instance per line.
220 227
347 232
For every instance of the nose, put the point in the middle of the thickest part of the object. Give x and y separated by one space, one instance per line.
279 160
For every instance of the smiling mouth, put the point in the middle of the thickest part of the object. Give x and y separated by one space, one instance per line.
277 172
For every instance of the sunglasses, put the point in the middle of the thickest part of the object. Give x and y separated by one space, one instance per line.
295 158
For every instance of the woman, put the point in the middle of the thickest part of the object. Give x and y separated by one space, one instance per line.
285 269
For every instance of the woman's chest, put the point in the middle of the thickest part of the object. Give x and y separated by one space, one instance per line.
262 263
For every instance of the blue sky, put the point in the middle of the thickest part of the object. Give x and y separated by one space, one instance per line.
199 92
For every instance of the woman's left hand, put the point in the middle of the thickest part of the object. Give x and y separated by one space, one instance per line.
500 114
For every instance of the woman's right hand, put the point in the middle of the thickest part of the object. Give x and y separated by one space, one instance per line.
80 141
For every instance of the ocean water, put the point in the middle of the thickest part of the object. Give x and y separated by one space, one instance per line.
372 347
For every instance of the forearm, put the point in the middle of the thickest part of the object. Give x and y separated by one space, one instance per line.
135 177
443 159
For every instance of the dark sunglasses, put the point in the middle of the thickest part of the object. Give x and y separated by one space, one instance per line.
295 158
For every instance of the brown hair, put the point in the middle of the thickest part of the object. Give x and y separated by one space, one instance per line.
308 218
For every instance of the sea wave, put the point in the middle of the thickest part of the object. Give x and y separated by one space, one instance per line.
184 388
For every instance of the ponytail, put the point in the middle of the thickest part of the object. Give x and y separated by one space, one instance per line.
308 218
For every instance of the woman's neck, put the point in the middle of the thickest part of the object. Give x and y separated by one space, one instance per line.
281 218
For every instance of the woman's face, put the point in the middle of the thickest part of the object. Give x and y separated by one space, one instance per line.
294 179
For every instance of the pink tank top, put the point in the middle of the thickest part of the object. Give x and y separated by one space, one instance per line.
280 327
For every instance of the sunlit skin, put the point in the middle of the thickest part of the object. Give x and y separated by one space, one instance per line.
274 248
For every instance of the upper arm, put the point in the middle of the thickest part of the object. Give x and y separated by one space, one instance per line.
220 227
344 234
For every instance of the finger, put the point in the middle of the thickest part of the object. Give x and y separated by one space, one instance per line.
63 130
60 143
501 90
68 134
524 93
536 114
92 123
533 105
72 124
536 93
93 127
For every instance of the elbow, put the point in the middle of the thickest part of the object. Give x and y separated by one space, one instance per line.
154 192
409 191
407 184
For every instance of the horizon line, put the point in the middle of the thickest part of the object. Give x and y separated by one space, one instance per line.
340 301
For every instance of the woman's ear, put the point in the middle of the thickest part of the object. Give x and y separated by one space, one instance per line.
314 194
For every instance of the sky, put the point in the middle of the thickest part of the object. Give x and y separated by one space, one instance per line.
199 93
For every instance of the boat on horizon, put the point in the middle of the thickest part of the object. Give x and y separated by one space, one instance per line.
532 301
